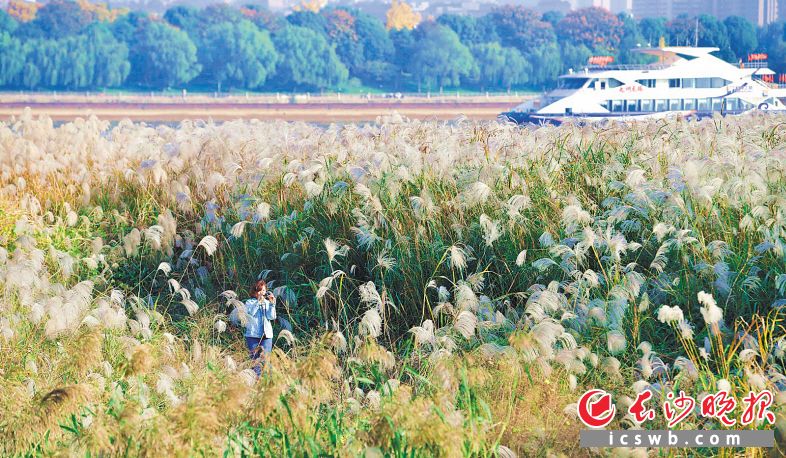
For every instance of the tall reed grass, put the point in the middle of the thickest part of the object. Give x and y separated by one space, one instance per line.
444 288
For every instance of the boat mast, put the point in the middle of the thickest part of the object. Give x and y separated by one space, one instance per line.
696 34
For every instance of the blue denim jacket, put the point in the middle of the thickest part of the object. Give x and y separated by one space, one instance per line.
260 315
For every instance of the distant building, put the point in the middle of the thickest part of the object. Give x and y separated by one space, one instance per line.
759 12
691 7
618 6
563 6
277 5
768 12
577 4
437 8
652 8
525 3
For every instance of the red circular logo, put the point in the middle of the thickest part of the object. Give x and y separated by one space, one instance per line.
595 408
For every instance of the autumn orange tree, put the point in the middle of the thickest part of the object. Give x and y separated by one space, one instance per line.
340 22
311 5
21 10
595 28
101 11
401 16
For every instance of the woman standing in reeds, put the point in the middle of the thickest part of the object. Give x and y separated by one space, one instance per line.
261 311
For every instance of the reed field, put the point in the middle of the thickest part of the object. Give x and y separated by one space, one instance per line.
444 288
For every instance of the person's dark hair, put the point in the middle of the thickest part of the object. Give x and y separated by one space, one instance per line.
257 287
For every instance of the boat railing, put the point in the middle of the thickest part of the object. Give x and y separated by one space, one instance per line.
598 68
754 64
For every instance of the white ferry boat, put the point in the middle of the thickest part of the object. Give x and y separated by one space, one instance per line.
685 80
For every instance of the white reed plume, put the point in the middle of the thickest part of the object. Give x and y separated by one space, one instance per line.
229 295
686 330
466 299
458 258
238 315
371 323
288 337
369 295
616 342
490 229
209 244
709 310
191 306
339 342
262 212
385 261
521 258
72 218
131 241
333 250
490 350
465 323
516 204
154 235
424 334
574 218
476 280
238 229
164 267
443 294
477 194
668 314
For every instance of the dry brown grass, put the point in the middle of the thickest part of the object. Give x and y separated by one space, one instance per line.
528 410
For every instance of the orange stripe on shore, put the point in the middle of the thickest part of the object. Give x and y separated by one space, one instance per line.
320 112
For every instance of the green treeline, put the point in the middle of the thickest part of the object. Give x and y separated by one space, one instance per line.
224 48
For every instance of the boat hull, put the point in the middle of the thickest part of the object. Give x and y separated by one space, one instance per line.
548 119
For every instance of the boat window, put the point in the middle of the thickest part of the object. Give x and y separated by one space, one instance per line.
614 83
745 105
647 83
717 104
633 105
732 104
603 85
703 83
661 105
720 82
689 104
703 105
675 104
688 82
616 105
675 82
572 83
646 105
